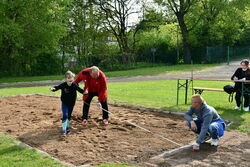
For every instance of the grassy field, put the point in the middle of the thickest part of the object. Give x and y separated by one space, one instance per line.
12 155
126 73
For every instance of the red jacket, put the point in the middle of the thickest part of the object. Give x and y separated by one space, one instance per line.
93 85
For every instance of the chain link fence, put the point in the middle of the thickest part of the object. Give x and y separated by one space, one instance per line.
219 54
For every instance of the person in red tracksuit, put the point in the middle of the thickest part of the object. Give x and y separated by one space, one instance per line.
96 84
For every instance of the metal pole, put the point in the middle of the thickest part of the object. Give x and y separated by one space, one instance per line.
177 100
192 76
177 44
228 51
186 92
242 95
207 53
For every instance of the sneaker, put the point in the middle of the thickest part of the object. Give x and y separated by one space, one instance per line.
214 142
104 122
237 108
68 131
246 109
84 122
63 133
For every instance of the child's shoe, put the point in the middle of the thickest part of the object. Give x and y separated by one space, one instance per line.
63 133
68 131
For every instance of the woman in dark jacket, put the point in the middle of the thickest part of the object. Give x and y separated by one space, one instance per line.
242 74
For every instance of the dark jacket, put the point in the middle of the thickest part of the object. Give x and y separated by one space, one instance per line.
68 93
240 74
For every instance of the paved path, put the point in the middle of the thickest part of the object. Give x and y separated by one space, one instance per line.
220 72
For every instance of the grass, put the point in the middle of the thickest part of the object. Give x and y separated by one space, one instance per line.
12 155
126 73
160 70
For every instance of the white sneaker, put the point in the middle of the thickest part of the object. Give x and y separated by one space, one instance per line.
237 108
214 142
246 109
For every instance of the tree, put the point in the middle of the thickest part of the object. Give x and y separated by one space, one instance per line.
29 28
116 13
181 8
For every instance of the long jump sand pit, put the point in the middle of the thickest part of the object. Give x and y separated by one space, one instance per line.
36 121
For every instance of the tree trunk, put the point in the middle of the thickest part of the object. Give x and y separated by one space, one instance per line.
184 32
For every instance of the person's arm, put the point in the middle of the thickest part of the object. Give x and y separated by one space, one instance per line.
80 90
207 119
235 75
103 89
189 115
248 75
56 88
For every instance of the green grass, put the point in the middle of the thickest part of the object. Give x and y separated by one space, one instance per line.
159 70
12 155
126 73
30 79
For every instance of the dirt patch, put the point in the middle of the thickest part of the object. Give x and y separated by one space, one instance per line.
36 120
233 151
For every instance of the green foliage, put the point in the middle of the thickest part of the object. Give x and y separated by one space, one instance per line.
163 40
29 28
221 23
47 37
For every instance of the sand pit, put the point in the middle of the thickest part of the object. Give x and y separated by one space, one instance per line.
36 120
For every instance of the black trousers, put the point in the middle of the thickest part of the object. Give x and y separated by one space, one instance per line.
86 105
238 97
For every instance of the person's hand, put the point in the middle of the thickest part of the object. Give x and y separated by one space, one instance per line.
52 89
99 105
85 92
193 126
235 78
196 146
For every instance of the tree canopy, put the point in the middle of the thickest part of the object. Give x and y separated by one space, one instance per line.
49 36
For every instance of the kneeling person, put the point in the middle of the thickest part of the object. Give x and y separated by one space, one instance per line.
207 122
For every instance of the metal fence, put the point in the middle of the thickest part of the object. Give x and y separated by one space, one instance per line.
219 54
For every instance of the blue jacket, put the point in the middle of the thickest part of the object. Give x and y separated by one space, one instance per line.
206 114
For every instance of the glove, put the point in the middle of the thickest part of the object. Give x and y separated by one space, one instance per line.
52 89
99 105
85 92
